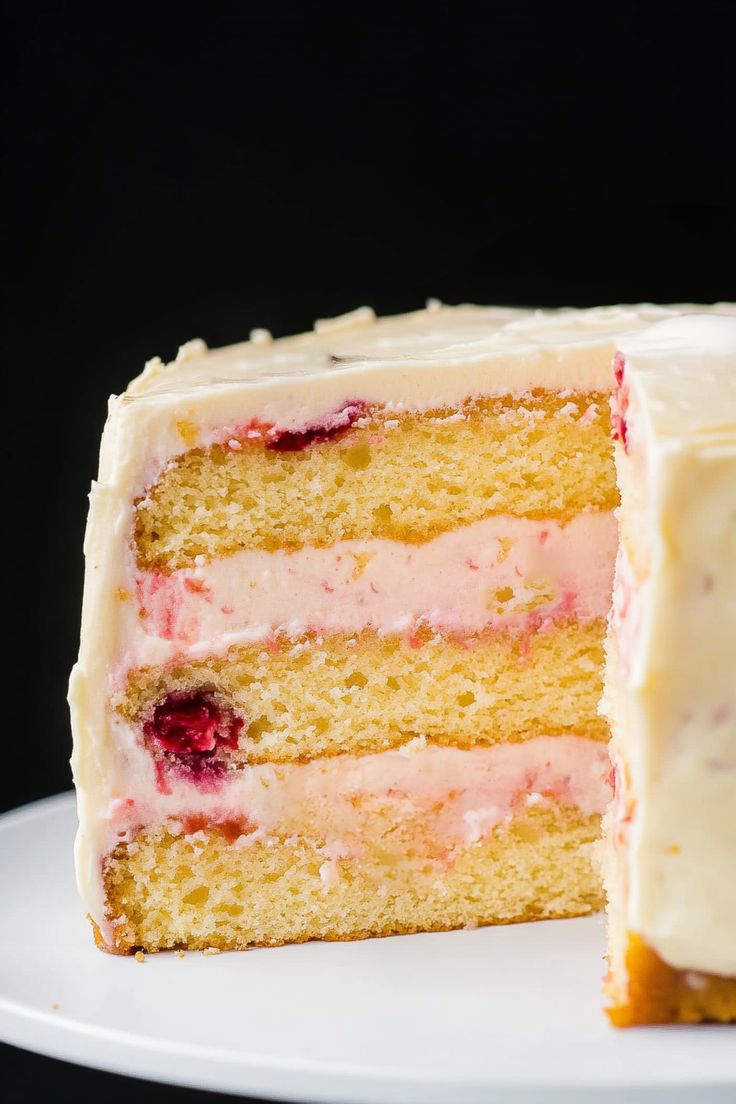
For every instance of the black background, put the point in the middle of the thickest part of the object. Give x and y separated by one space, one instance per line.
201 169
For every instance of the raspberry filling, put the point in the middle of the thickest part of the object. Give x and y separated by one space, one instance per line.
620 404
294 440
618 368
192 722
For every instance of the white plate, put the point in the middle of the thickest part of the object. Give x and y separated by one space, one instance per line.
490 1015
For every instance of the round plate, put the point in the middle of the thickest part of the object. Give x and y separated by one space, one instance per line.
495 1014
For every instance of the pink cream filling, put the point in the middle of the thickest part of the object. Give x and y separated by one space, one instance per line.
458 796
500 573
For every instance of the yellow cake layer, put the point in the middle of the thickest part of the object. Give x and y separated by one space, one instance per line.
406 477
166 890
366 693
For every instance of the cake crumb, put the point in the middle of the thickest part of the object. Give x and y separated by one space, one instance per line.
179 954
417 743
211 951
139 956
55 1006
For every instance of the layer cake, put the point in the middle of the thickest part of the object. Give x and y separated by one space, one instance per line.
343 632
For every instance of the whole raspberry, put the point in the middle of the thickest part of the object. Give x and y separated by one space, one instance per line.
192 721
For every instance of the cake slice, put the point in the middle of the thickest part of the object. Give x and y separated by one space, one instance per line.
670 687
343 630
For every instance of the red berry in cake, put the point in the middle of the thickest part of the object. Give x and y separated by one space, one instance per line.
202 769
334 425
613 778
618 368
620 430
620 404
192 722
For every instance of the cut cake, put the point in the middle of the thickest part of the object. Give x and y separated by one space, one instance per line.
343 632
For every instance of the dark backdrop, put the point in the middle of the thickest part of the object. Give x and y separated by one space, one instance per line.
202 169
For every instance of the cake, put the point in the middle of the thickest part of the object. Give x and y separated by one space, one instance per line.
343 632
670 688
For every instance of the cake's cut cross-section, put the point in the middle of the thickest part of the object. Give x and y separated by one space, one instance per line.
343 628
670 687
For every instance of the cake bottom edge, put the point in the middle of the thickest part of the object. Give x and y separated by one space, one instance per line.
169 891
649 991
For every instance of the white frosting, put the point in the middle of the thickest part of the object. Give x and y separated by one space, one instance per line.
432 358
449 583
678 650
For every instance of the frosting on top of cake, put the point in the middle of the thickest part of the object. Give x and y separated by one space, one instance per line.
435 358
686 368
385 353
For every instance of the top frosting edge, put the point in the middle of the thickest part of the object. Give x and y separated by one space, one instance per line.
684 369
515 350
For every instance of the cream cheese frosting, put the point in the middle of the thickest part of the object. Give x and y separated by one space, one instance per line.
679 743
428 359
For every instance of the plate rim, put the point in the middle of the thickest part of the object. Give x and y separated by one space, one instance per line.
299 1079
